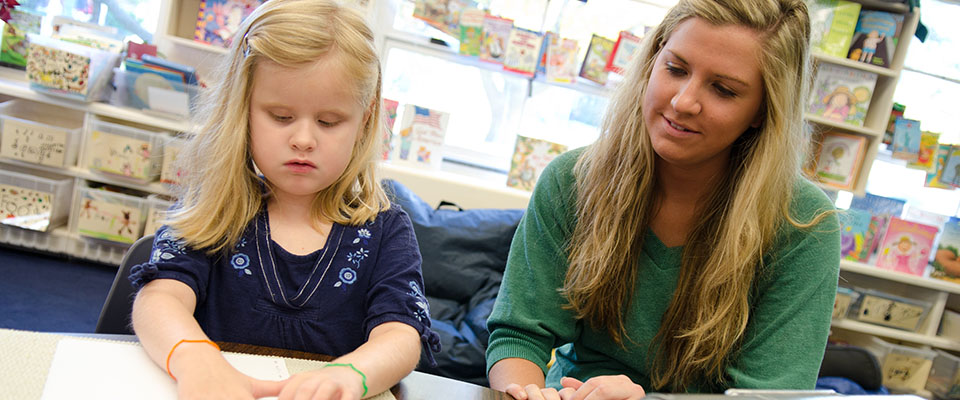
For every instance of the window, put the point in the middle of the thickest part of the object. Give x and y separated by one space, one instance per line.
135 20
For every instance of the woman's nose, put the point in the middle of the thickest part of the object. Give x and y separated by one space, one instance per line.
686 101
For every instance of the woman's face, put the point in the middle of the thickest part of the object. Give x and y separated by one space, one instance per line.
705 90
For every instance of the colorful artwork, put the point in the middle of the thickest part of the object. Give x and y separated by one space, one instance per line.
218 20
32 142
594 65
13 51
58 69
854 225
523 51
421 137
624 51
102 218
120 155
25 208
906 246
839 159
530 157
471 31
496 32
562 60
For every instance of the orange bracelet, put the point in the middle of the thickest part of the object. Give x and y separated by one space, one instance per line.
186 341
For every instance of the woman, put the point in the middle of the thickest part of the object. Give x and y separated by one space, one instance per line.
683 251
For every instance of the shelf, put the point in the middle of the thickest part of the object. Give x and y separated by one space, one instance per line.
841 126
193 44
83 173
62 241
891 333
14 83
881 71
913 280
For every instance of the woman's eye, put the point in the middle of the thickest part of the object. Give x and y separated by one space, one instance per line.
674 70
724 92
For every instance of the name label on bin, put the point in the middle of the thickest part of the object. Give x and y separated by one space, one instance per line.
33 143
25 208
168 101
889 312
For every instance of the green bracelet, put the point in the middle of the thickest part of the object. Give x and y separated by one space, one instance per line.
362 382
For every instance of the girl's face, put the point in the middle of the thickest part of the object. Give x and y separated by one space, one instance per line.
304 122
704 91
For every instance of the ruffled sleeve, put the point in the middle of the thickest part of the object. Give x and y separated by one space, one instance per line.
171 258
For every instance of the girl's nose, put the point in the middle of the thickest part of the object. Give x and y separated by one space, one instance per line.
303 138
686 101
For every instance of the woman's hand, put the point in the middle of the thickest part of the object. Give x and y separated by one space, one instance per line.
333 383
606 387
534 392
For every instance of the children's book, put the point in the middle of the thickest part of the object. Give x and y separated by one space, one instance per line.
471 31
906 139
13 50
548 39
623 52
927 156
839 159
442 14
421 137
896 111
933 179
523 51
389 118
188 72
25 208
137 50
832 24
218 20
594 65
842 94
875 37
530 157
562 61
496 33
854 226
882 209
951 168
946 260
906 246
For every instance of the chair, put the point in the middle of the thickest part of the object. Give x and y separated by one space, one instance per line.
115 314
854 363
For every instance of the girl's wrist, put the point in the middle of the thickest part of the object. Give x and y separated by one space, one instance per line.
352 371
186 354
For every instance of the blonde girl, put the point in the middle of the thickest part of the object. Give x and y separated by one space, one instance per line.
683 251
309 255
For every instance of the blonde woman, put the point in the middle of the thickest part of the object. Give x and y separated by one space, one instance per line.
683 251
308 257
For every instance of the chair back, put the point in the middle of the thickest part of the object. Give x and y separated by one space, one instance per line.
115 314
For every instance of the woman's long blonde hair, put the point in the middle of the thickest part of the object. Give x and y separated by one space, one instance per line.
221 191
617 197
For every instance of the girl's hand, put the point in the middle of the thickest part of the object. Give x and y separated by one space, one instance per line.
222 381
333 383
534 392
606 387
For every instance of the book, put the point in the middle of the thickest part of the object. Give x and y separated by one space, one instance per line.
530 157
421 137
906 139
882 209
832 24
854 226
442 14
523 51
218 20
562 61
951 168
842 94
906 246
875 37
896 111
137 50
839 159
389 118
548 38
933 179
496 33
927 156
624 51
471 31
13 50
189 73
594 67
946 260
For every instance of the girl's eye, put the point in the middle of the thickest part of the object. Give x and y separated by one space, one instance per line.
327 124
281 118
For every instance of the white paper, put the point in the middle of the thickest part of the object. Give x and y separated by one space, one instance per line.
169 101
95 370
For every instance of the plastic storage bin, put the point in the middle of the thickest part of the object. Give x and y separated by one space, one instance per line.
170 174
156 206
885 309
904 368
68 69
34 200
123 150
944 379
101 213
154 93
841 304
40 133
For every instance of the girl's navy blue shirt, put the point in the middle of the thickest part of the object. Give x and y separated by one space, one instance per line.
325 302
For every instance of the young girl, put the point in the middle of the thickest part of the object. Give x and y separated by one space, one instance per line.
683 251
309 256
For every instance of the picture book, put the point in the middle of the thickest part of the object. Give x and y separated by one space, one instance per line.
832 24
120 155
927 156
562 61
471 31
13 48
496 33
946 260
906 246
442 14
218 20
523 51
951 168
933 179
421 137
137 50
839 159
623 52
548 38
103 217
906 139
594 67
882 209
530 157
896 111
854 226
188 72
389 119
842 94
875 37
25 208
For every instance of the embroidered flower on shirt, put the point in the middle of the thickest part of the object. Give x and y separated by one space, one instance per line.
348 275
363 235
422 312
167 246
358 256
242 242
240 262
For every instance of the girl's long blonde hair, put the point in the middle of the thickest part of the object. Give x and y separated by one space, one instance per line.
617 197
221 192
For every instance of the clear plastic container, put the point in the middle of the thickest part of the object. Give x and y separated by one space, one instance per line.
904 368
101 213
123 150
40 133
879 308
34 200
165 95
944 379
156 207
68 69
841 304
